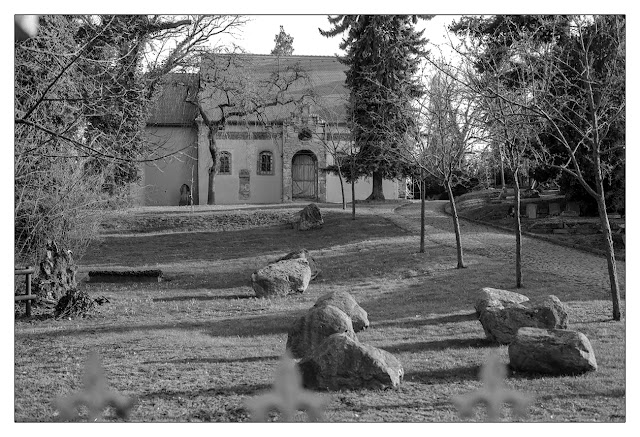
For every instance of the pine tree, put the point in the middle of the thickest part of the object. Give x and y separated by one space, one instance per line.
382 53
284 44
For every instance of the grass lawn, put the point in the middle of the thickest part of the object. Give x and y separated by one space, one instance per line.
194 347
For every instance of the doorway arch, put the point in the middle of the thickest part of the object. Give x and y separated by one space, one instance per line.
304 175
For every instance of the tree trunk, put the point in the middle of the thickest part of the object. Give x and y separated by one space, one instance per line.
211 192
518 230
377 193
213 151
344 201
456 226
504 188
611 259
353 187
422 196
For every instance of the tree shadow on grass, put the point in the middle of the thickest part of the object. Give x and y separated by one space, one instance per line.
213 246
254 326
195 360
241 390
440 376
453 318
438 345
201 297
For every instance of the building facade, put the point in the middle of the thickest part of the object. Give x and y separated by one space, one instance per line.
276 156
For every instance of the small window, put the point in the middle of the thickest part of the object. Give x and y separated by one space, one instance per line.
225 163
265 163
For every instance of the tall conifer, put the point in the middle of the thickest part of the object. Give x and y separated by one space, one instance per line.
382 53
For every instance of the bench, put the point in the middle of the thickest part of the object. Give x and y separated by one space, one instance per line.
28 297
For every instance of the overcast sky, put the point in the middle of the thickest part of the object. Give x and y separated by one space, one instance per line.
258 35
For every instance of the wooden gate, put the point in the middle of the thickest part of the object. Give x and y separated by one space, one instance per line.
304 173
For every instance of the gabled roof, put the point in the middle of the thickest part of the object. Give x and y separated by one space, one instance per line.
171 107
325 81
323 88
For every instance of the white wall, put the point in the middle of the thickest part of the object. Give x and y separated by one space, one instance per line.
162 179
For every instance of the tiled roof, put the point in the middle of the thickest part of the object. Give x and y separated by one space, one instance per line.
171 108
326 81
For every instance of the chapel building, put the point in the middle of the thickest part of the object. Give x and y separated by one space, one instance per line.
276 155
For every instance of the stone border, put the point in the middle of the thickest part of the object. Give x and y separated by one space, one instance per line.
619 256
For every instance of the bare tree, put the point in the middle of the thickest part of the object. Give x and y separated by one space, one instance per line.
83 88
453 125
234 89
336 140
581 96
568 73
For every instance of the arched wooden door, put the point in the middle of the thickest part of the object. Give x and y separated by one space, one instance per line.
304 173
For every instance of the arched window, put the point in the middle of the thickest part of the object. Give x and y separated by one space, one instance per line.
225 163
265 163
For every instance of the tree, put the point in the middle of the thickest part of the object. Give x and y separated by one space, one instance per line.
234 88
453 126
336 141
574 70
284 44
581 97
83 86
382 56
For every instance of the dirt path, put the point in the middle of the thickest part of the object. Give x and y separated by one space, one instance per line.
539 257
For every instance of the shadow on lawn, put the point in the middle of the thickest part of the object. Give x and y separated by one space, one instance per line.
200 297
215 360
454 318
211 246
437 345
463 373
232 327
242 390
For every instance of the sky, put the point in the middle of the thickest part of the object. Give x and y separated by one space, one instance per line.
258 35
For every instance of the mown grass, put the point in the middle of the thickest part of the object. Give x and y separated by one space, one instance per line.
194 347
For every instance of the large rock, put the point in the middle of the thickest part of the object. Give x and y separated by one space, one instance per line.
309 218
551 351
282 278
494 296
502 321
302 254
346 302
342 362
310 330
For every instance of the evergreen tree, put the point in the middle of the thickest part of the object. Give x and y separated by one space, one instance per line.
382 53
284 44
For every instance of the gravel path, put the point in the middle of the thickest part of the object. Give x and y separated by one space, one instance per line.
579 268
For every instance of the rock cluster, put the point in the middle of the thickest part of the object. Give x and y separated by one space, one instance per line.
501 320
535 331
332 356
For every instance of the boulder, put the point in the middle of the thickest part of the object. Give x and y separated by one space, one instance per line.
342 362
551 351
282 278
346 302
502 321
302 254
314 327
494 296
309 218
